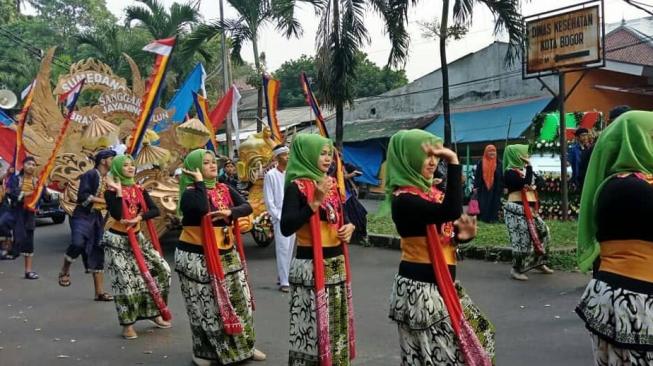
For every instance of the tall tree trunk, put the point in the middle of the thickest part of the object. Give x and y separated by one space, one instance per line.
444 68
340 78
259 99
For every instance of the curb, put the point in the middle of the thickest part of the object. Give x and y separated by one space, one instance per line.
493 253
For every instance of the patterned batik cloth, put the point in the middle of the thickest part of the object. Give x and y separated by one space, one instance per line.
132 298
426 336
621 323
303 334
209 340
524 257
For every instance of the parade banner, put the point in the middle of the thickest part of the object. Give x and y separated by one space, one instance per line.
312 102
27 95
271 88
70 99
202 106
163 48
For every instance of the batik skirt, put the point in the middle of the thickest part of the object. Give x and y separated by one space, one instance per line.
303 324
620 322
132 298
209 339
524 257
426 336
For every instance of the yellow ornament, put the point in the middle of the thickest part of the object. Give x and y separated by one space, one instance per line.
192 134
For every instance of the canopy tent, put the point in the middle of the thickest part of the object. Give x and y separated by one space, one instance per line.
367 156
492 122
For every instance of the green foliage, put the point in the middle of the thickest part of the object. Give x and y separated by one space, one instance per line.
369 79
8 11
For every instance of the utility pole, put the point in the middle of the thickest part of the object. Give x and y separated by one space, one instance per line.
563 146
225 73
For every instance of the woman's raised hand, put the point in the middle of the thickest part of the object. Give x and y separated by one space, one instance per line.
441 152
196 174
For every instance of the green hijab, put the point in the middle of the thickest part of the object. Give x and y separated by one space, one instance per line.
512 156
116 170
405 160
193 161
304 153
626 145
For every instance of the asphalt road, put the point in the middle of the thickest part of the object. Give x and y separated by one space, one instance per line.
44 324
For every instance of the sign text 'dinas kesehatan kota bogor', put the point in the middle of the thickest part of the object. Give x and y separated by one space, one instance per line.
563 40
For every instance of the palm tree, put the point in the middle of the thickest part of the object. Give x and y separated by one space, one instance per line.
341 34
108 42
163 23
252 15
507 17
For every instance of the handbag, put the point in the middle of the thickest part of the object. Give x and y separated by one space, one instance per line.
473 208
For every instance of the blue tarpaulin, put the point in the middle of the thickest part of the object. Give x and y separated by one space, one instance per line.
492 123
367 156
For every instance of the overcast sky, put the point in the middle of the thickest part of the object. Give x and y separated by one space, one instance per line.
423 57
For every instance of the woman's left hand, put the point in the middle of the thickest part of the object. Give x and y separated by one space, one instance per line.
221 214
132 222
345 232
466 227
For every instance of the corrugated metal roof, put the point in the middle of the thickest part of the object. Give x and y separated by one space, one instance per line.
493 123
369 129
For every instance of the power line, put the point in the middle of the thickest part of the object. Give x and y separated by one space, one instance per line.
30 48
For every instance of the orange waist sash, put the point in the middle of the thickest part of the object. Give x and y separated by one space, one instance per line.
328 232
414 249
629 258
193 235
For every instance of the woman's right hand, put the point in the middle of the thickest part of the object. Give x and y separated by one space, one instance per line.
441 152
525 159
322 188
196 174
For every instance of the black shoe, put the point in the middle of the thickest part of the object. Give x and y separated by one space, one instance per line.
8 257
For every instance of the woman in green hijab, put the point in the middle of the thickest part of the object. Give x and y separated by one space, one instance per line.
131 295
528 233
423 298
614 235
309 192
200 195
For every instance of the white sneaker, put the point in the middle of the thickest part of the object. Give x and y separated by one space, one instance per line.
201 361
518 276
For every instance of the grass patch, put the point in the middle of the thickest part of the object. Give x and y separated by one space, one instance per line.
563 234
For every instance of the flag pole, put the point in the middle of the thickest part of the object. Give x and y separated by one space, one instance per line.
225 73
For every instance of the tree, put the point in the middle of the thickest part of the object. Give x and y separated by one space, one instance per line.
370 79
507 17
107 43
8 11
163 23
252 15
341 34
68 17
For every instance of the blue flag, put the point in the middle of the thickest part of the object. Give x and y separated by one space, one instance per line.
182 101
5 119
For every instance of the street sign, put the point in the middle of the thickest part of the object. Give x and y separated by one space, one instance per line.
564 39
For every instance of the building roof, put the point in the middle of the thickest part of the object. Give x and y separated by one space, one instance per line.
491 122
361 130
625 44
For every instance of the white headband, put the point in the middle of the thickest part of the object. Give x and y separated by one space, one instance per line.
279 151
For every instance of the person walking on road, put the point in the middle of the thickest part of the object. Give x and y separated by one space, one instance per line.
134 300
529 235
616 207
214 284
273 189
321 309
432 325
87 225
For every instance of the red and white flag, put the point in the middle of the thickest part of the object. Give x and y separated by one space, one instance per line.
161 47
26 91
70 97
234 114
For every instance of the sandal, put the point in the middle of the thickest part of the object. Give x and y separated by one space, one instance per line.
8 257
64 279
160 323
104 297
31 276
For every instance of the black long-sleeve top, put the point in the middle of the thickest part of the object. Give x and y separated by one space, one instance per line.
195 204
514 182
624 210
411 213
296 212
114 206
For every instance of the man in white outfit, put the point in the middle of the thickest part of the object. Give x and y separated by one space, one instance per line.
273 189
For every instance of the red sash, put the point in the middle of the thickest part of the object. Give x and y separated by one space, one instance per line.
150 283
469 344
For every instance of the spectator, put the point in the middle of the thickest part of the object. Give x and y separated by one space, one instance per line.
575 152
488 185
